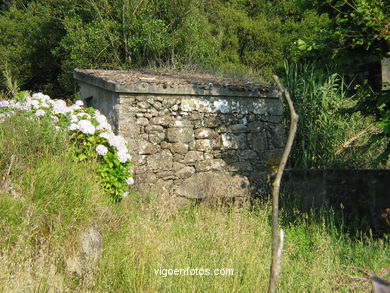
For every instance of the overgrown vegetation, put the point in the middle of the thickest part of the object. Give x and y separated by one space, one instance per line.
43 41
89 132
46 200
331 134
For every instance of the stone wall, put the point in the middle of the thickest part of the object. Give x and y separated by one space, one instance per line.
193 142
198 146
362 195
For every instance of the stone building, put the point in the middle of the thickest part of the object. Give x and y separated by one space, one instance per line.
191 136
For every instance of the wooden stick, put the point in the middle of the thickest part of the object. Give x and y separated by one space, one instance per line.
277 243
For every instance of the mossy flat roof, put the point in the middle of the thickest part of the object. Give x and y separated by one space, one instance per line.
131 81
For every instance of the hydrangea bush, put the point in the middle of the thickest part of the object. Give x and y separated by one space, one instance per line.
90 133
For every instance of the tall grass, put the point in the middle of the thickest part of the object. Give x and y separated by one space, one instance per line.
329 134
147 236
46 200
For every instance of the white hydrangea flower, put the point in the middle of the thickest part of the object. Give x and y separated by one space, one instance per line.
101 150
73 118
79 103
86 127
59 107
118 142
35 104
130 180
104 126
40 112
73 126
122 157
74 108
4 104
55 119
41 97
100 118
106 135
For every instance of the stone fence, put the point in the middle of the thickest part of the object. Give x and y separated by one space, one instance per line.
195 137
362 195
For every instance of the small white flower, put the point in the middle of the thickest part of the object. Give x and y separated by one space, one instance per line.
41 97
74 108
54 118
100 118
39 113
73 118
86 127
106 135
130 180
73 126
59 107
35 104
118 142
4 104
79 103
104 126
101 150
122 157
126 194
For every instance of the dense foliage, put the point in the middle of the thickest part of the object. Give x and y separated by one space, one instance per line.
43 41
88 131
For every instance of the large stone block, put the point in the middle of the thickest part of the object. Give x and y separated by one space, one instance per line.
238 128
146 148
213 185
156 138
258 141
277 135
205 133
161 120
211 164
234 141
183 135
193 156
185 172
153 129
160 161
179 148
180 123
207 145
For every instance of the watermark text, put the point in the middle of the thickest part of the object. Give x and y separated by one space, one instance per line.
164 272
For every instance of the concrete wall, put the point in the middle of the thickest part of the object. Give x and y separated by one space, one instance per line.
193 141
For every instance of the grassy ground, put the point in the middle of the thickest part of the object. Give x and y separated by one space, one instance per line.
46 200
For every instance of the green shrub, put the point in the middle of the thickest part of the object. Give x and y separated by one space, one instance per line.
330 133
89 132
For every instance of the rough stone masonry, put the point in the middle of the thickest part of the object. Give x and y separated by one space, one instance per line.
193 136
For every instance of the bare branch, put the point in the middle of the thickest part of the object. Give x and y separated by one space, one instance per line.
277 242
